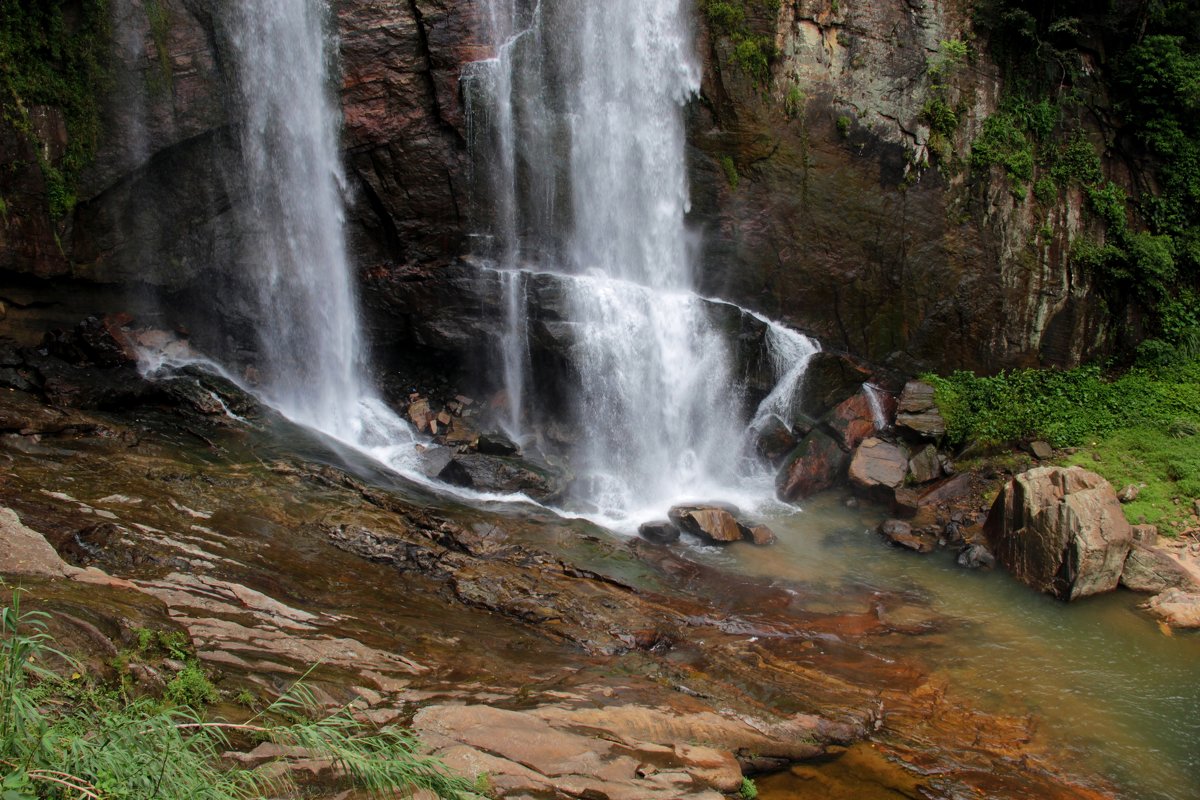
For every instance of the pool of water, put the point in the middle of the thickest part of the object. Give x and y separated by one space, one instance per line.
1107 686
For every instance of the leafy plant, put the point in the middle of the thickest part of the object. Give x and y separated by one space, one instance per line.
731 172
748 789
57 744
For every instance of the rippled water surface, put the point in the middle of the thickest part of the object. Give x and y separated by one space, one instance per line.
1106 685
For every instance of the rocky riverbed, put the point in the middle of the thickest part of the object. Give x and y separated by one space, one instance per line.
559 659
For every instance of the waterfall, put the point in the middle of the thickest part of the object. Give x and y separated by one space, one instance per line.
878 418
307 317
592 95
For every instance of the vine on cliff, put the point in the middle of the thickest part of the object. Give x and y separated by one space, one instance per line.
53 53
751 53
1142 61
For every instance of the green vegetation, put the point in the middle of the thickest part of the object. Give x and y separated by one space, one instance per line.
793 103
843 126
1135 428
748 790
937 112
1142 59
66 738
160 29
58 60
752 53
1167 464
731 172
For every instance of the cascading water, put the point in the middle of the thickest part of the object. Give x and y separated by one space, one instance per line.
658 405
307 320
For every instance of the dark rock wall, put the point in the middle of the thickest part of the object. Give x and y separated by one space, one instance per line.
839 222
842 222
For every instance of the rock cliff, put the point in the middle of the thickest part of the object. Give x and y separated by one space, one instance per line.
821 193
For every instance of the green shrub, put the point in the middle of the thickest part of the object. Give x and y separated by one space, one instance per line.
940 118
843 126
58 743
1002 143
191 688
1045 190
748 789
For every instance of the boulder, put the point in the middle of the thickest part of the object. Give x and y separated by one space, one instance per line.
774 440
924 466
878 469
818 463
501 475
496 444
1061 531
1153 570
758 534
1042 451
829 379
852 421
1176 608
976 556
917 413
660 532
901 533
711 523
1129 493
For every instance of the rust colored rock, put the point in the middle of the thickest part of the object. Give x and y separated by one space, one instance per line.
818 463
878 469
758 534
852 420
713 524
1061 531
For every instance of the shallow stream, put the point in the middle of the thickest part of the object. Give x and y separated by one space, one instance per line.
1107 687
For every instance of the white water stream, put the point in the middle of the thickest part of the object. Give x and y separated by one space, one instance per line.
657 401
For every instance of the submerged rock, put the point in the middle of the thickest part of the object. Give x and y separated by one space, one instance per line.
711 523
901 533
501 475
1176 608
661 532
1061 531
976 556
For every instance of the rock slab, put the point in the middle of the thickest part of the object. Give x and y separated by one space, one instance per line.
1061 531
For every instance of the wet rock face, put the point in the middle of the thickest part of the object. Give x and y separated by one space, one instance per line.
833 222
1060 531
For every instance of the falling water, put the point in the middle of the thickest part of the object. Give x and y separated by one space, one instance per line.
306 316
878 418
658 404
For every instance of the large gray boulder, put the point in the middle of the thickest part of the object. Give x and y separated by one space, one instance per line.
1061 531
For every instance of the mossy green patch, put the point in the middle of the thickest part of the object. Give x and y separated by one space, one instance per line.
55 58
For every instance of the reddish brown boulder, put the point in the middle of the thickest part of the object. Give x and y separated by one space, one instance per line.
817 464
713 524
852 420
